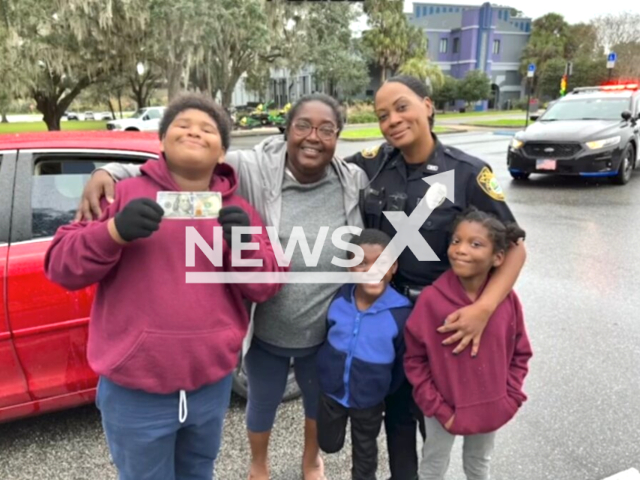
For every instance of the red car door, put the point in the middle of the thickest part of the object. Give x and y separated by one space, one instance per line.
49 323
13 385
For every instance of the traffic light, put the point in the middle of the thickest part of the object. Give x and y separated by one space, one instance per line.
563 86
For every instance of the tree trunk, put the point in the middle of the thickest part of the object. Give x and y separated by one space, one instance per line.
173 77
227 95
52 117
52 106
120 105
383 74
139 98
113 113
4 118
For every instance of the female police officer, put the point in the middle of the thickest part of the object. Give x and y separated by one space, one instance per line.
396 171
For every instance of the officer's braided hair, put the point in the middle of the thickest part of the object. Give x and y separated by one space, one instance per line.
330 102
416 86
204 103
502 234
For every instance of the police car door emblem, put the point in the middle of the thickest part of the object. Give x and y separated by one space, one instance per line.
435 195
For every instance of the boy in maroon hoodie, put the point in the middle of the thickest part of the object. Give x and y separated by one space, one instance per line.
460 394
165 349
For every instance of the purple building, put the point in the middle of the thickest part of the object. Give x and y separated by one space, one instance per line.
466 37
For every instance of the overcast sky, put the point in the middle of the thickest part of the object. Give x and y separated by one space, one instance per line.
572 11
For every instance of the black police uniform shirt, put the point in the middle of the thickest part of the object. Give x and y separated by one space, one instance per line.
395 185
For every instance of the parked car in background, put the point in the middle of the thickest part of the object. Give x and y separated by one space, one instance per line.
144 120
590 132
89 116
44 327
103 116
73 116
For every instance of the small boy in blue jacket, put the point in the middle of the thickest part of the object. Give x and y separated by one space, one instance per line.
361 361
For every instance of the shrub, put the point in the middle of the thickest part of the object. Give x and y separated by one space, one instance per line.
365 117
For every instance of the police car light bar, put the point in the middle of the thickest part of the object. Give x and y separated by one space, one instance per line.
608 88
629 86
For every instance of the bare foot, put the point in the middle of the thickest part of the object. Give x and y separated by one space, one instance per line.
259 472
313 470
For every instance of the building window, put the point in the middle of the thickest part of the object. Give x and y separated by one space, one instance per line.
430 10
456 45
444 45
496 47
437 9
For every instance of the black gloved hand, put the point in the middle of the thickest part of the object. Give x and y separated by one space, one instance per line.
233 216
138 219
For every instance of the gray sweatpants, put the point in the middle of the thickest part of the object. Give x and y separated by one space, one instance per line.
436 453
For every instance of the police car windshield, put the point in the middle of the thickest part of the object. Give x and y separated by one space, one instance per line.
587 109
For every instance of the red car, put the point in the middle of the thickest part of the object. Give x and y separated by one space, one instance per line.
43 327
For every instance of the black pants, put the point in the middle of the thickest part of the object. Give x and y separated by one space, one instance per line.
365 428
401 418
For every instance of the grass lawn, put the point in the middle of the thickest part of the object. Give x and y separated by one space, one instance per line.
25 127
514 123
374 132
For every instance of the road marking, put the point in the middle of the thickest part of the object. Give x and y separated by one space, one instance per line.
631 474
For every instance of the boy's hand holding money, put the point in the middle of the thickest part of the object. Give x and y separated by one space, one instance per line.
234 216
138 219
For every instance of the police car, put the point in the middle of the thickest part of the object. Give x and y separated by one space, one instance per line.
591 132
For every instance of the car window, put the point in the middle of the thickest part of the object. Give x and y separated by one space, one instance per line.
153 114
587 109
57 186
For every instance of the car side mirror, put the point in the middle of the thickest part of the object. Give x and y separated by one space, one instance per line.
534 117
626 115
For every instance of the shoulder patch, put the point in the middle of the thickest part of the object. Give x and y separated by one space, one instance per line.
370 152
489 184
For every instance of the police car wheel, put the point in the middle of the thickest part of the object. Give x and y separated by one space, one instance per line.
240 383
520 175
626 166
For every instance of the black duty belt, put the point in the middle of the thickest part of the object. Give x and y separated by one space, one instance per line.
412 292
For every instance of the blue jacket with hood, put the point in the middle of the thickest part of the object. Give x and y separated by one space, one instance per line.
360 363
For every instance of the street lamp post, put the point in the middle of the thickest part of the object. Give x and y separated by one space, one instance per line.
531 70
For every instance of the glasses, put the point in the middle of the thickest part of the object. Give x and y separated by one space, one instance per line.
325 132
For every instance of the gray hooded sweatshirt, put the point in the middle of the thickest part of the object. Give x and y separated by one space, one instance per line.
296 316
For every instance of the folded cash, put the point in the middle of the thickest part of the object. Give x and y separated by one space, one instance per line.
191 205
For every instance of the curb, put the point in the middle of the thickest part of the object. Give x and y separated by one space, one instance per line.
256 132
450 131
502 127
260 131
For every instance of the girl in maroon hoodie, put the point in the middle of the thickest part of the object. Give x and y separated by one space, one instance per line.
165 349
460 394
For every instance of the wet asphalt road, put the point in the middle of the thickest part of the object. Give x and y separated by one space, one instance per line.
579 291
